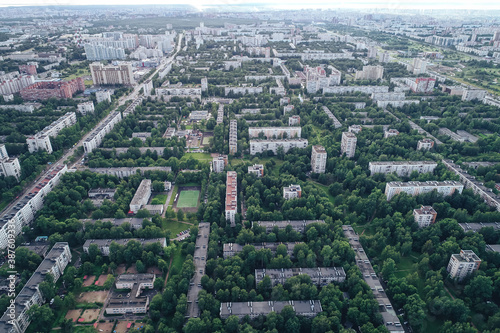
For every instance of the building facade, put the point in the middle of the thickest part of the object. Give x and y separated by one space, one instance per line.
112 75
348 144
231 196
445 188
256 169
233 136
424 216
48 89
463 264
262 145
402 168
318 159
291 192
141 196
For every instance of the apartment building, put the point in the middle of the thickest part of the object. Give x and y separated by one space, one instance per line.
291 192
262 145
336 122
424 216
308 309
275 132
97 52
318 159
199 115
220 114
422 85
425 144
96 137
233 136
179 90
355 129
463 264
13 85
320 276
29 68
85 107
472 94
230 249
297 225
48 89
104 244
112 75
418 66
16 320
123 172
351 89
9 166
256 169
243 90
454 136
348 144
231 196
370 73
41 140
294 120
402 168
103 95
219 163
288 108
445 188
141 196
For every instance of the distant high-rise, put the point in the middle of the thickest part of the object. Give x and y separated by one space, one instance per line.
112 75
101 52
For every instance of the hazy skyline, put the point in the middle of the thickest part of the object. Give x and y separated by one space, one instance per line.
281 4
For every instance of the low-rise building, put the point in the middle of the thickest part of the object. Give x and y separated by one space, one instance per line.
294 120
291 192
351 89
425 144
199 115
102 193
445 188
127 298
463 264
262 145
256 169
141 197
297 225
355 129
402 168
390 132
243 90
309 308
424 216
104 244
336 122
320 276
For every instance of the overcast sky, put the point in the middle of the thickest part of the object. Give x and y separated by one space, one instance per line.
293 4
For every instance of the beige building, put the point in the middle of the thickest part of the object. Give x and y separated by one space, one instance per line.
112 75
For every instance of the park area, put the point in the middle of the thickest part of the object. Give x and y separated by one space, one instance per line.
188 199
159 199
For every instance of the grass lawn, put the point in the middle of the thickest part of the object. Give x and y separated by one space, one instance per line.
160 199
174 193
323 188
178 260
197 156
206 141
174 227
188 198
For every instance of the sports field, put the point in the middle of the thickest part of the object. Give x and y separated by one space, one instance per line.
188 198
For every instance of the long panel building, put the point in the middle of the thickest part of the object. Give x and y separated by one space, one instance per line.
141 196
275 132
9 166
23 212
230 249
402 168
320 276
95 139
41 140
104 244
54 263
309 308
231 196
233 136
262 145
416 188
112 75
297 225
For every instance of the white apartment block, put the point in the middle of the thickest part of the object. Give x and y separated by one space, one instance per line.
41 140
104 244
256 169
445 188
9 166
402 168
348 144
275 132
23 213
95 139
20 107
454 136
220 114
388 96
9 86
472 94
370 73
233 136
350 89
262 145
148 87
318 159
98 52
243 90
141 196
418 66
179 90
397 104
103 95
16 319
86 107
231 196
424 216
204 84
294 120
355 129
219 163
291 192
112 75
425 144
463 264
390 132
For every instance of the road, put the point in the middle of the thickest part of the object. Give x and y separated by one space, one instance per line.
68 153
